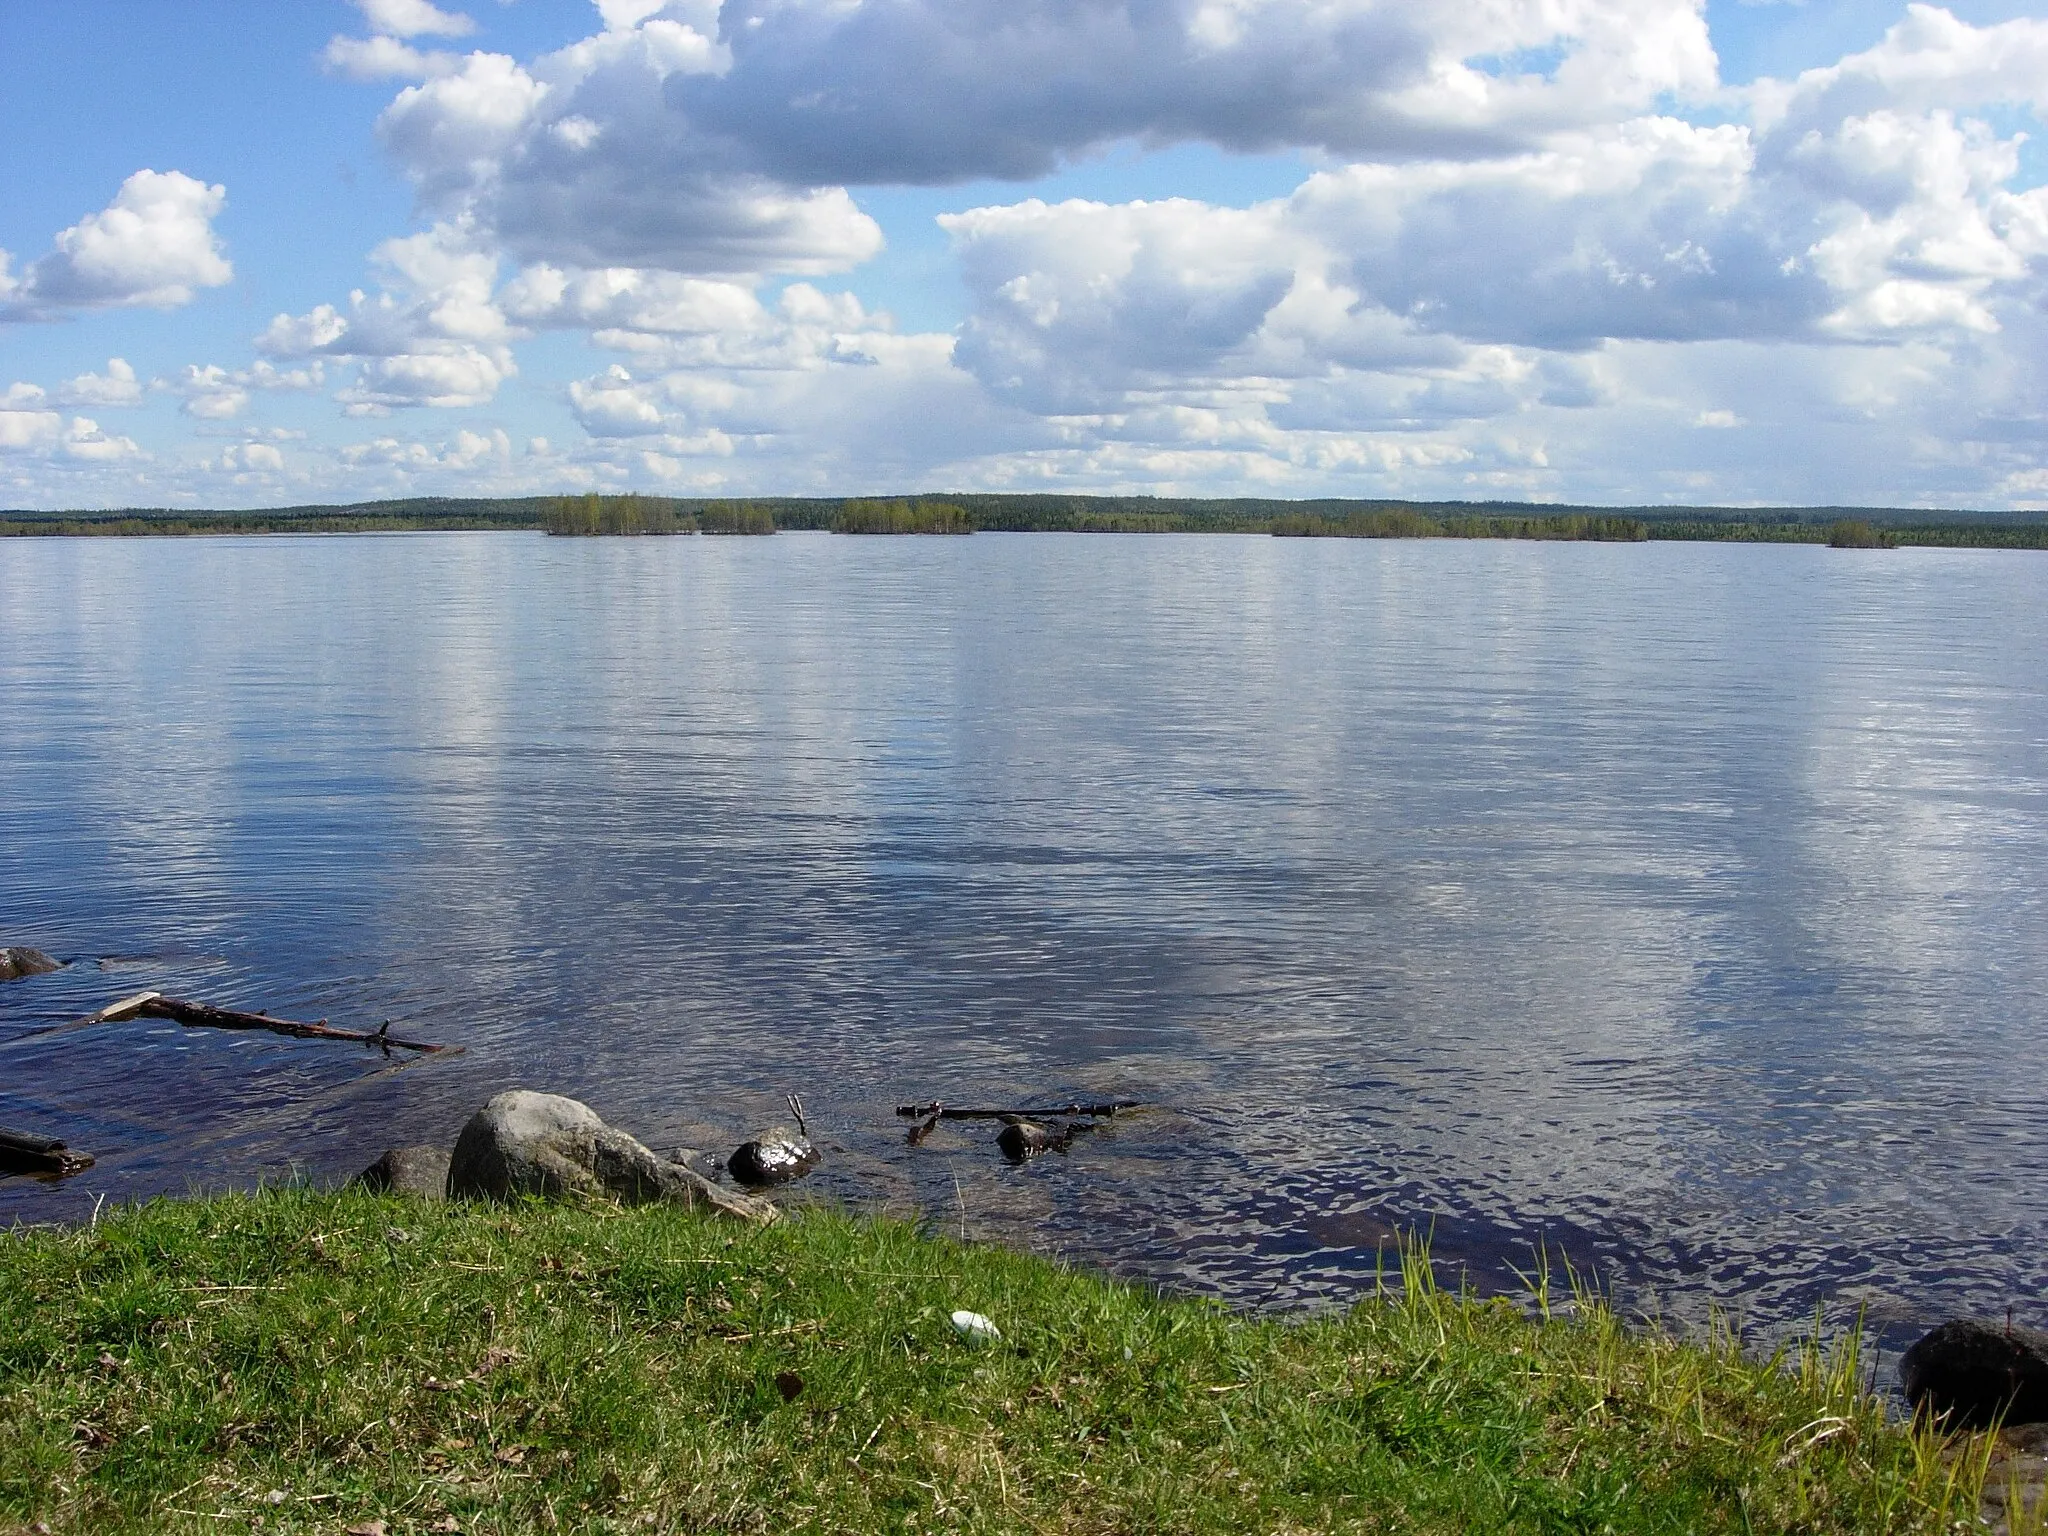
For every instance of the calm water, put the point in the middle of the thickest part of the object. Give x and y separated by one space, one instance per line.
1679 906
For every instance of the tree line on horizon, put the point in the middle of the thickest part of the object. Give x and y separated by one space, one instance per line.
592 515
597 514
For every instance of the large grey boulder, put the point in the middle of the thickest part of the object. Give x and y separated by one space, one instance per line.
526 1143
1977 1372
19 960
418 1171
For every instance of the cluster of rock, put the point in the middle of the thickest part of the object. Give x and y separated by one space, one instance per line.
526 1143
1966 1374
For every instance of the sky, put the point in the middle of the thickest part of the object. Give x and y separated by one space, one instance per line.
1602 251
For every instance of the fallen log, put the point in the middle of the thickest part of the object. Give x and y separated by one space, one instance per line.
23 1153
154 1005
938 1111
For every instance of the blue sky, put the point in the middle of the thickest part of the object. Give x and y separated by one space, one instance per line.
1602 250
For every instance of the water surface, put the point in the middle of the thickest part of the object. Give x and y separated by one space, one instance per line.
1679 906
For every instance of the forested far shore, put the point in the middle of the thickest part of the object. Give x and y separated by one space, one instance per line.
415 514
593 514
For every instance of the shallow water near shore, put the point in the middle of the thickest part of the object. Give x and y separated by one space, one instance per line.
1678 906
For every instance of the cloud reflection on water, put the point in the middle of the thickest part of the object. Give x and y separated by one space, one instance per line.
1669 901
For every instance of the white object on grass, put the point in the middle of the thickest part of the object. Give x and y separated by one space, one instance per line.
973 1325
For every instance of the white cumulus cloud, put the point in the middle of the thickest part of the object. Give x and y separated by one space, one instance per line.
214 393
153 245
413 18
211 393
465 451
118 386
244 460
23 428
386 58
433 335
720 140
583 162
83 440
1537 249
819 91
46 435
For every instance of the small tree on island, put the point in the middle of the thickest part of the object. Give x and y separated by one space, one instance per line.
592 514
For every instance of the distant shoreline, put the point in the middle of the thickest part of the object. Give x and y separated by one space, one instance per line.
962 513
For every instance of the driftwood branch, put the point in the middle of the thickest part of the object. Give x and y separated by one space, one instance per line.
23 1153
938 1111
929 1115
154 1005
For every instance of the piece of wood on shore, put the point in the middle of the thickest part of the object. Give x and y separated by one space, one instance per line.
154 1005
21 1152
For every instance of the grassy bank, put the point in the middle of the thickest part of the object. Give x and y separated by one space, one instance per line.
310 1362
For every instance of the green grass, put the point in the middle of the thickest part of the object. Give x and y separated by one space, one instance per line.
294 1361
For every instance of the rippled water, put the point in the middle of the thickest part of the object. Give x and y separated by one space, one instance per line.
1681 906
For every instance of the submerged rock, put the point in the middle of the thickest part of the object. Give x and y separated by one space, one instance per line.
1977 1372
775 1156
526 1143
417 1171
19 960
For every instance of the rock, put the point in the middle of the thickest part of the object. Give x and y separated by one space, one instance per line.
19 960
41 1156
1020 1139
525 1143
2016 1482
775 1156
1976 1372
419 1171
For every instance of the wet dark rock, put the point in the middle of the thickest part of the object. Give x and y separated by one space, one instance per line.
19 960
1020 1139
418 1171
526 1143
42 1156
1975 1372
775 1156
